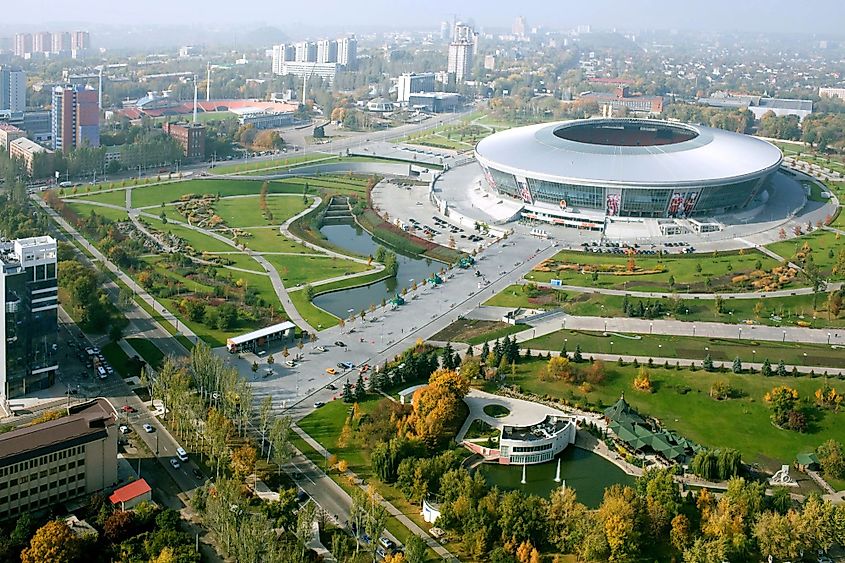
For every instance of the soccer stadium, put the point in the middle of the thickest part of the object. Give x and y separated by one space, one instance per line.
587 173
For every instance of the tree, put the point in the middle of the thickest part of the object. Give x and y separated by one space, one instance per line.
557 369
781 371
119 526
360 389
348 397
576 357
779 535
707 364
737 365
243 461
619 518
766 370
832 459
642 382
784 401
567 519
53 542
661 498
681 533
415 549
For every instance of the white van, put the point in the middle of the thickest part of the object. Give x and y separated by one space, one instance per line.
181 454
101 372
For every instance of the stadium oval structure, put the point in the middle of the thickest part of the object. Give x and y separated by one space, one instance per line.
582 173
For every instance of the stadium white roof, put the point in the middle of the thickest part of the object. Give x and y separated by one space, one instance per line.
712 156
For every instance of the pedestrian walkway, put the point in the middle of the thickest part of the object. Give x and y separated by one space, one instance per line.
391 509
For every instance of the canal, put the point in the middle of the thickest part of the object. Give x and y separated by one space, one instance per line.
356 240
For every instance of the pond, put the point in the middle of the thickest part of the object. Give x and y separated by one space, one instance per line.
355 239
588 473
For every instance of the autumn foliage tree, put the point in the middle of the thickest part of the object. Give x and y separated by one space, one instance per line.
437 407
243 461
643 381
53 542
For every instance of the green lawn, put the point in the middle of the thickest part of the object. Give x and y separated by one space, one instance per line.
272 240
794 310
84 210
719 269
681 402
237 260
114 197
245 212
273 163
148 351
117 359
199 241
688 347
824 248
165 193
316 317
308 269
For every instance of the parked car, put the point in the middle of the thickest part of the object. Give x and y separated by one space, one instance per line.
318 404
127 408
339 343
386 543
148 428
331 371
124 429
174 463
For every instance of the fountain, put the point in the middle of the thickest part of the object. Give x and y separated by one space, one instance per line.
523 474
557 474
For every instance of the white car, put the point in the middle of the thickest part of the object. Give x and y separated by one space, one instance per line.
148 428
174 463
124 429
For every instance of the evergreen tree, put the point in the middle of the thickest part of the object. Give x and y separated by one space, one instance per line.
497 351
781 369
347 392
576 357
737 366
767 368
469 353
360 391
485 351
708 363
447 356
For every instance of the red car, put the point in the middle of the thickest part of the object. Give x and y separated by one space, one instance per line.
127 408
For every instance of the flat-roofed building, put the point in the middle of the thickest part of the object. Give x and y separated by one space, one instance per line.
832 92
27 151
53 462
9 133
413 83
29 330
189 136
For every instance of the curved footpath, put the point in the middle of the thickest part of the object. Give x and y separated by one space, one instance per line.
834 286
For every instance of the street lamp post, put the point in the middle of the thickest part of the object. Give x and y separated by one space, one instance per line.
740 333
650 327
828 338
784 337
693 330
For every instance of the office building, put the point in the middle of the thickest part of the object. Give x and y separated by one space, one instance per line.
25 150
413 83
435 102
23 44
28 289
64 459
190 137
9 133
42 42
12 89
60 43
347 51
75 117
326 71
306 52
490 62
327 51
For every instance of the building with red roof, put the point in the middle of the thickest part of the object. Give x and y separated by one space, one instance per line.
131 495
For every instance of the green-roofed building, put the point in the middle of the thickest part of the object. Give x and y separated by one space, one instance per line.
807 461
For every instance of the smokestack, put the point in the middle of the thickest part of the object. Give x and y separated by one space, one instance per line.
208 82
195 98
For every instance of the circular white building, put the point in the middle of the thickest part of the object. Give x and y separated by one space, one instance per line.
582 173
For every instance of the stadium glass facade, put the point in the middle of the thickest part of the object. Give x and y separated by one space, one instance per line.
629 201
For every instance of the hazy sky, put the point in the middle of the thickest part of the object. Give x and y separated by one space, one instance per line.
824 16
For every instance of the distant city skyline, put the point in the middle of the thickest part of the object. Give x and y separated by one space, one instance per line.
822 16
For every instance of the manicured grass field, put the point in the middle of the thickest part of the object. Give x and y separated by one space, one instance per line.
274 163
117 358
148 351
245 211
688 347
316 317
308 269
238 260
821 243
165 193
720 269
114 197
199 241
682 403
84 210
792 310
272 240
476 332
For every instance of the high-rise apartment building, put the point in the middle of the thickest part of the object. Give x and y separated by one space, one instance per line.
520 27
462 50
29 331
80 41
60 42
413 83
306 52
327 51
75 117
282 54
347 51
42 42
23 44
12 89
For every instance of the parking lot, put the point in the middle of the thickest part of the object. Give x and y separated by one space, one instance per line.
612 247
